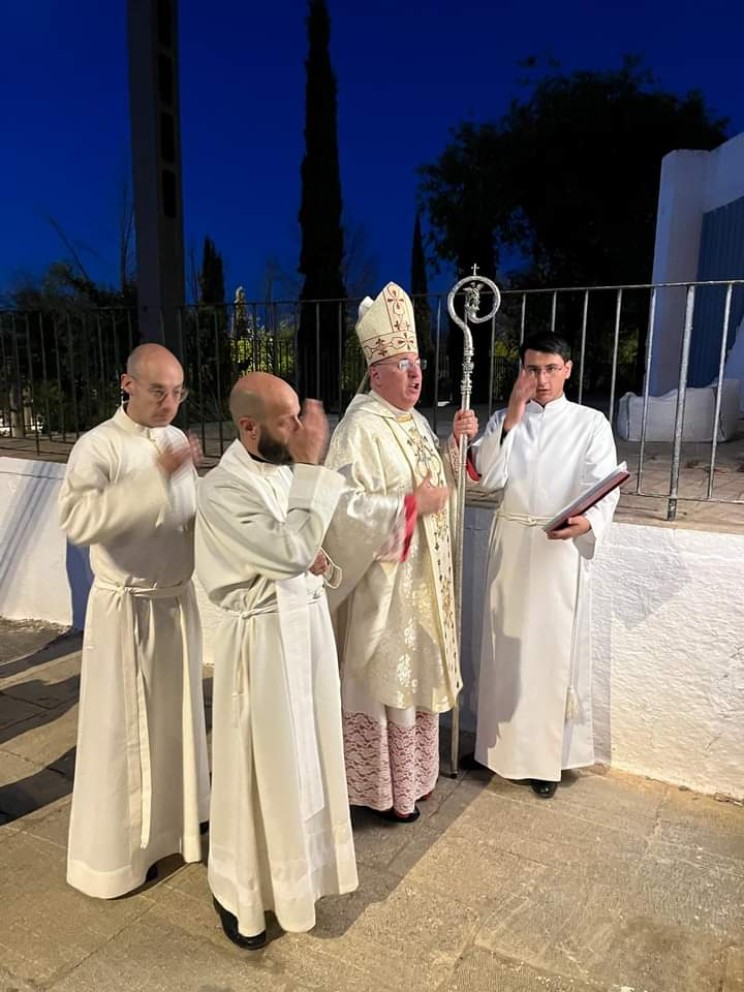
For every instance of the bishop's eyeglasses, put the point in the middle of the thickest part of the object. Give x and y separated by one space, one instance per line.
405 364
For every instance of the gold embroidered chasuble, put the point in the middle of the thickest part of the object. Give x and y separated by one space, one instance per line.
395 620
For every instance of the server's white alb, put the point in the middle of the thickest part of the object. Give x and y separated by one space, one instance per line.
536 656
141 777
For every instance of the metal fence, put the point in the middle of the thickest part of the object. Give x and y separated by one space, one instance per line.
60 366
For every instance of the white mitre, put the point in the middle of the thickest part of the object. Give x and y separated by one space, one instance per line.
386 326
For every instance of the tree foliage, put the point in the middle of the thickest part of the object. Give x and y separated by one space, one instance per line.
212 275
563 188
208 357
568 178
65 340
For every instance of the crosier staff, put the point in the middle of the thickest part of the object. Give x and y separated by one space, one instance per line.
472 286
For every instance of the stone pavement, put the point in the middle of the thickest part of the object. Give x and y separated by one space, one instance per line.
618 884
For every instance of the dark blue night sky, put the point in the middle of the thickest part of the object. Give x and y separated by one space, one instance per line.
407 71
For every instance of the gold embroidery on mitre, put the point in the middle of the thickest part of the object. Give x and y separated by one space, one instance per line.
388 327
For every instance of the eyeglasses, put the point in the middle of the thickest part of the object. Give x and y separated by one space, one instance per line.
549 370
406 363
160 395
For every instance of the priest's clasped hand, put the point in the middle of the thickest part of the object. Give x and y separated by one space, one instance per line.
174 457
575 528
308 443
465 424
320 565
429 498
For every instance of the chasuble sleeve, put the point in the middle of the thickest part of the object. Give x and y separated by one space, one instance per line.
96 508
600 459
373 521
239 529
450 452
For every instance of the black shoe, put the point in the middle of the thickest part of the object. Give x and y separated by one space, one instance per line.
230 925
152 873
394 817
204 828
545 790
469 764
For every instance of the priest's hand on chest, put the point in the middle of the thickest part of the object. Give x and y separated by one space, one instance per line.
174 456
575 528
320 565
429 498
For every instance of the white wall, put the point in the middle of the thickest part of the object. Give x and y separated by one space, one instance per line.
668 628
679 223
692 183
668 648
41 577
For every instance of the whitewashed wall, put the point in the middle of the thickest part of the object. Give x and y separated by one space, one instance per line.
668 628
692 183
41 576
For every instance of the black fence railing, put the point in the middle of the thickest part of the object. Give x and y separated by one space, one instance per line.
60 366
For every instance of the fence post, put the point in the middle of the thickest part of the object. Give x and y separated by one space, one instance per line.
681 396
583 345
646 387
615 347
719 390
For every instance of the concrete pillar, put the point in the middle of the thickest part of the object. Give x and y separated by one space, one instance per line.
678 227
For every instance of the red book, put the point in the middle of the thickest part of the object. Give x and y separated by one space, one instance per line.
579 506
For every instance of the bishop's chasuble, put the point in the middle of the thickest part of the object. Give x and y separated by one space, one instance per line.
394 611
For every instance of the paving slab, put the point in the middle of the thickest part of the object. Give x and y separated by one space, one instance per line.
26 786
49 823
549 834
694 821
152 955
27 643
13 713
8 983
48 685
733 979
704 897
46 927
45 737
468 869
483 971
646 955
400 934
